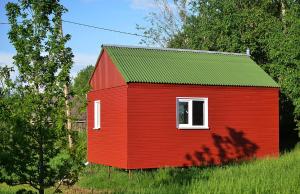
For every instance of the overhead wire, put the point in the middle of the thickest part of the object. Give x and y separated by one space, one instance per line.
97 27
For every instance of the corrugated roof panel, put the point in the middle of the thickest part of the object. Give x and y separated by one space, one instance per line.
187 67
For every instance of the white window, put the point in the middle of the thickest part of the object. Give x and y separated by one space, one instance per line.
97 114
192 113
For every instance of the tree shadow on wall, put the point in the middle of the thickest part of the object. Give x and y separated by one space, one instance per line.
231 148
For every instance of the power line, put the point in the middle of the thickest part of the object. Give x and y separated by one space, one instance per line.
106 29
99 28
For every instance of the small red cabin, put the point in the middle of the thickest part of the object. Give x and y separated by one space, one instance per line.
158 107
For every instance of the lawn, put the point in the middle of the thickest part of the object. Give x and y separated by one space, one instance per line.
271 175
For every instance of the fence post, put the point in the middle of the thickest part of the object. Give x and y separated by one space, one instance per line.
109 172
129 174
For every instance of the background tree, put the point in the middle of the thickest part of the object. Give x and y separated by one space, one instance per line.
5 113
35 151
165 22
269 28
79 90
5 81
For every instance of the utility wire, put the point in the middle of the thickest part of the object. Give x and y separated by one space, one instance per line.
106 29
99 28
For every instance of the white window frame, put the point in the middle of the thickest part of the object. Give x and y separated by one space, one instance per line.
190 110
97 114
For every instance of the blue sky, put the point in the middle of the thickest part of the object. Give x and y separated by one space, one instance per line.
116 14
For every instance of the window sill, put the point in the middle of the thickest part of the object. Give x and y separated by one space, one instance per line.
194 127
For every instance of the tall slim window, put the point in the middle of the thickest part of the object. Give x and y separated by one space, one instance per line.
97 114
192 113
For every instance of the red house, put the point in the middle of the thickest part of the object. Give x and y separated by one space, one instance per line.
157 107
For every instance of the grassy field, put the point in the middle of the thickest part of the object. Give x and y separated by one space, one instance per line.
270 175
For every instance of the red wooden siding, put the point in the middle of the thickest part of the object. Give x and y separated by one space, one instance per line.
108 145
243 123
106 75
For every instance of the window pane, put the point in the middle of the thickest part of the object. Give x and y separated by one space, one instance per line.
183 113
198 113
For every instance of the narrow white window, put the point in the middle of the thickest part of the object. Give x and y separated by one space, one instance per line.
192 113
97 114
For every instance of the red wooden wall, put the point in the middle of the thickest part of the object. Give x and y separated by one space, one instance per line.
108 145
106 75
243 123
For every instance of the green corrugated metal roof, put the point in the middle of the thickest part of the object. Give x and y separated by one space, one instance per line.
155 65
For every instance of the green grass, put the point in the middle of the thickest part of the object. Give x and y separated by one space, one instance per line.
271 175
6 189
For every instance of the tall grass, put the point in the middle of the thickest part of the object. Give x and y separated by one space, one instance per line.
271 175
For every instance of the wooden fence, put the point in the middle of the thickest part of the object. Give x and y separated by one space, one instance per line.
79 125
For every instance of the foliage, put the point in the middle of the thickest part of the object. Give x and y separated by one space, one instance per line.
81 146
33 135
72 161
165 22
269 28
6 87
5 81
5 113
81 81
79 90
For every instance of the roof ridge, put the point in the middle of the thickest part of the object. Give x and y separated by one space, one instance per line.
174 49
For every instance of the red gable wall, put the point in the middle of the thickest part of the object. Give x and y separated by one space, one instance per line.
106 75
